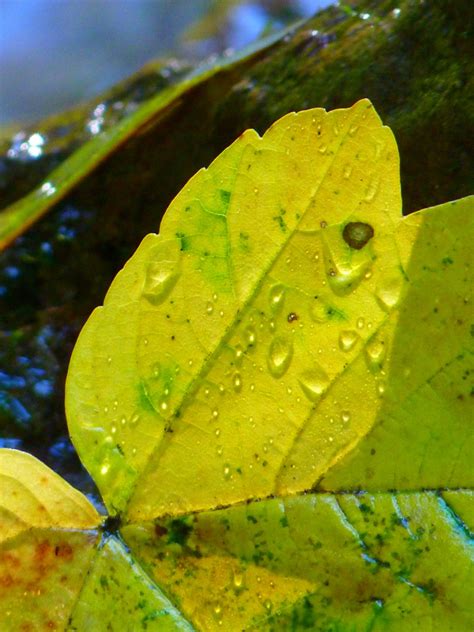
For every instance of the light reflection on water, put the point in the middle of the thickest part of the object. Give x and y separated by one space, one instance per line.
101 42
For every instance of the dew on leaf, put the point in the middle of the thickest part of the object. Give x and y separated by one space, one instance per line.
388 294
374 352
360 323
238 579
277 297
250 336
348 339
159 281
347 172
372 189
237 382
209 308
314 383
239 352
279 356
227 473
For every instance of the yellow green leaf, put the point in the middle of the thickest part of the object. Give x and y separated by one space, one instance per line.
274 399
48 534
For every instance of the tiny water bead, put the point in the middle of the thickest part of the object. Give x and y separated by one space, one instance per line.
250 336
375 353
346 174
209 308
276 298
238 579
279 356
237 382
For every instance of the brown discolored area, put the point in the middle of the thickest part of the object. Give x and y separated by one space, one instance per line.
45 569
357 234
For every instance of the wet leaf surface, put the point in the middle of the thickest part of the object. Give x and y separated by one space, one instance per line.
280 421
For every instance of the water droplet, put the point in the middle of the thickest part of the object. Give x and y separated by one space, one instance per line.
347 172
237 382
215 413
375 353
219 450
346 278
209 308
123 421
134 419
239 354
347 339
238 579
372 189
360 323
214 297
318 311
323 149
227 473
104 469
217 432
314 383
113 429
380 387
106 409
345 416
159 281
268 604
279 356
388 293
221 388
221 313
250 336
353 130
277 297
164 406
252 387
217 609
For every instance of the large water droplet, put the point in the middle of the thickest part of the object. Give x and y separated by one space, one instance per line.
348 339
314 383
277 297
279 356
159 281
388 293
345 278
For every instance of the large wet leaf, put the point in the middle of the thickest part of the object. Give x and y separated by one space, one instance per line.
274 398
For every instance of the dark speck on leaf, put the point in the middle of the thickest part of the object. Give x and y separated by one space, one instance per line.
357 234
292 316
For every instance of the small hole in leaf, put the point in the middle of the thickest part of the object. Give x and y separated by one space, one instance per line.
357 234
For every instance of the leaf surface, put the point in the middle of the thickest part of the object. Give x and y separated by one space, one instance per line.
48 534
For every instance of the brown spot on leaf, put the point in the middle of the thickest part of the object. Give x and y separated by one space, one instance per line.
357 234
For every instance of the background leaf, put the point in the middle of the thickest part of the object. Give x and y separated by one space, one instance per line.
48 534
